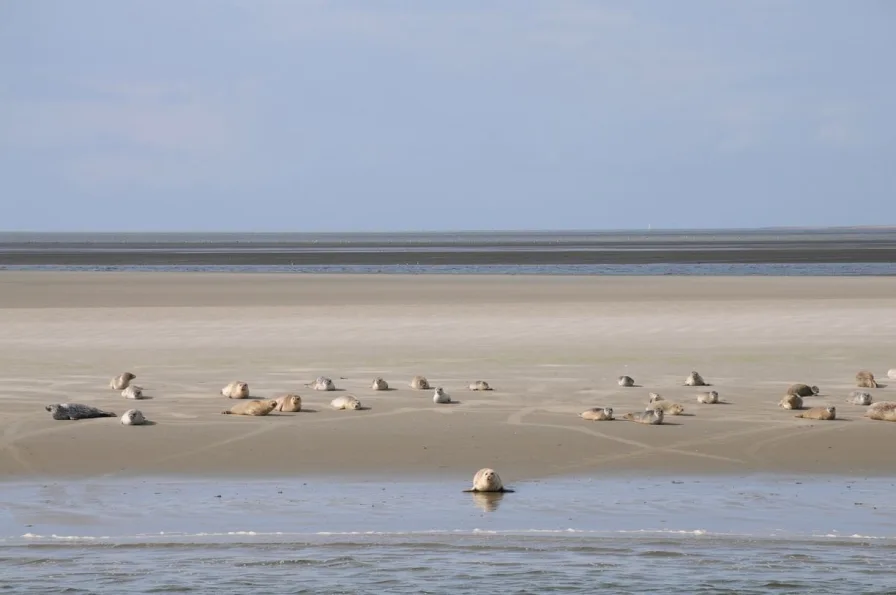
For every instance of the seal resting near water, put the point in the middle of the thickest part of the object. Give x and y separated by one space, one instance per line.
132 392
654 397
76 411
708 398
133 417
652 417
668 407
440 396
236 390
289 403
379 384
865 379
802 390
122 381
819 413
479 385
625 381
882 411
420 383
791 402
487 480
322 383
597 414
695 379
256 408
345 402
859 397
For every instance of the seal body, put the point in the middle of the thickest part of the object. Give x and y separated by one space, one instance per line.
791 402
379 384
487 480
802 390
419 383
882 411
132 392
625 381
891 374
440 396
76 411
323 383
667 407
236 390
820 413
653 417
597 414
479 385
859 397
256 408
289 403
695 379
121 381
133 417
708 398
654 397
345 402
865 379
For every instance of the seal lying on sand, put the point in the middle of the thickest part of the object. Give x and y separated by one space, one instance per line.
256 408
652 417
859 397
654 397
597 414
882 411
440 396
322 383
122 381
668 407
891 374
132 392
133 417
625 381
289 403
76 411
709 398
791 402
695 379
487 480
802 390
479 385
865 379
345 402
420 383
236 390
820 413
379 384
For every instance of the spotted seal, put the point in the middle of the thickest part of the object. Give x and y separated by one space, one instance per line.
652 417
487 480
379 384
791 402
76 411
256 408
882 411
668 407
419 383
133 417
479 385
345 402
121 381
236 390
440 396
322 383
708 398
654 397
132 392
625 381
597 414
289 403
695 379
819 413
859 397
865 379
802 390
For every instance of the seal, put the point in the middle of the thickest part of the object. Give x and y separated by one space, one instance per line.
709 398
859 397
133 417
76 411
479 385
625 381
668 407
865 379
653 417
487 480
420 383
791 402
122 381
695 379
236 390
322 383
802 390
597 414
819 413
289 403
440 396
132 392
654 397
882 411
345 402
256 408
891 373
379 384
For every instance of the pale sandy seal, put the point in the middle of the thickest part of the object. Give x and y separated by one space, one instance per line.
479 385
859 397
132 392
379 384
882 411
654 397
76 411
122 381
597 414
345 402
236 390
708 398
819 413
865 379
420 383
695 379
440 396
322 383
133 417
487 480
289 403
802 390
791 402
668 407
652 417
625 381
256 408
891 374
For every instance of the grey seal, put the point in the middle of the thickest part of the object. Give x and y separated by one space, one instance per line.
652 417
865 379
322 383
819 413
440 396
289 403
379 384
420 383
76 411
708 398
802 390
487 480
882 411
695 379
256 408
236 390
133 417
791 402
121 381
859 397
625 381
345 402
597 414
132 392
479 385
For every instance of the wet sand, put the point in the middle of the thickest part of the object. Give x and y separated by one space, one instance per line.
550 346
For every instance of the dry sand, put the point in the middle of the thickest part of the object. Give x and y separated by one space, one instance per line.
550 346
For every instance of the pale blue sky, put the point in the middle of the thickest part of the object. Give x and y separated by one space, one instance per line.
384 115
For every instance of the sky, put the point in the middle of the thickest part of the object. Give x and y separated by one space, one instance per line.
386 115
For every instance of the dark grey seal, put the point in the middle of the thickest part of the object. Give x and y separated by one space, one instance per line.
76 411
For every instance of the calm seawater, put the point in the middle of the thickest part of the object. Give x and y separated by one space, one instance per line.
754 534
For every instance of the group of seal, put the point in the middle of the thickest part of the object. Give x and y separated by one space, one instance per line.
657 407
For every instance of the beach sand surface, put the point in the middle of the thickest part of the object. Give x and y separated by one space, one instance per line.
549 346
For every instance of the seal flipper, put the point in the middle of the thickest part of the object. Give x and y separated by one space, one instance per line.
471 491
507 490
